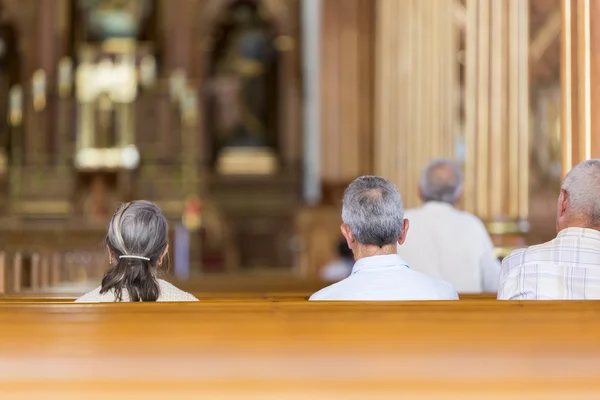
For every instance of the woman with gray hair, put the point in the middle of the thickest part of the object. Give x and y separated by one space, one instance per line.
137 245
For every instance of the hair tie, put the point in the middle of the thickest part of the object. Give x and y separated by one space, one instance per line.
136 257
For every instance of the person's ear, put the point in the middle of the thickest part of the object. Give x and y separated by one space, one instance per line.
347 233
563 203
404 232
459 196
562 210
162 256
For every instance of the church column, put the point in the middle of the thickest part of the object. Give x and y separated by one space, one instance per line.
178 17
39 136
415 89
311 28
346 83
497 114
580 79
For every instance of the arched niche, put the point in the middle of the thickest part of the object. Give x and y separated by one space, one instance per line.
283 16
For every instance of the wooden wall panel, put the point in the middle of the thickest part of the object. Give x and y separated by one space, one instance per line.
347 59
580 71
497 113
416 83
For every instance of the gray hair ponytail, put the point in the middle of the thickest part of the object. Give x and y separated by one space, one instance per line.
136 239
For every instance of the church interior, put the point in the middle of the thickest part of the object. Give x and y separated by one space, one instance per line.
244 121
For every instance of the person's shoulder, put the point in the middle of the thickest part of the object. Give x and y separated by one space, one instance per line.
521 257
445 290
331 292
439 288
91 296
471 220
169 292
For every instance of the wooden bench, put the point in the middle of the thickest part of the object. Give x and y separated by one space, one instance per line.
37 271
202 296
263 350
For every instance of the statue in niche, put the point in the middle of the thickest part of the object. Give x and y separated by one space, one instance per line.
9 77
109 19
242 80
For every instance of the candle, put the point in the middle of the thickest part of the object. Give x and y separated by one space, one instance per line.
38 88
148 71
65 77
16 105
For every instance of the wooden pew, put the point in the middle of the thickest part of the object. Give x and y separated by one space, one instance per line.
202 296
261 350
39 270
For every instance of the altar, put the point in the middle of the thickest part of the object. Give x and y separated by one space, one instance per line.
125 108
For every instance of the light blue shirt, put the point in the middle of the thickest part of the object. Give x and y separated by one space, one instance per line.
384 278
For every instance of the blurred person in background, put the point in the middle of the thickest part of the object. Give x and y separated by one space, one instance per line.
568 266
340 268
137 246
373 223
445 242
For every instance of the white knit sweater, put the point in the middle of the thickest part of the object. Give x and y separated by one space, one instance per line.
168 292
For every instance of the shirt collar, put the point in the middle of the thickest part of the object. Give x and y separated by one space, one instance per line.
388 260
437 204
579 232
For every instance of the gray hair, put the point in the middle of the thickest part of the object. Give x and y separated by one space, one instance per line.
372 208
442 181
138 229
137 238
582 185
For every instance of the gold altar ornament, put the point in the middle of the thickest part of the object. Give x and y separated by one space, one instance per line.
247 161
94 159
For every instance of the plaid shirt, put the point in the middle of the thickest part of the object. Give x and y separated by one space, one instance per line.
565 268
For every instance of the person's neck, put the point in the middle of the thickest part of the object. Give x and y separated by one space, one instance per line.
367 250
580 223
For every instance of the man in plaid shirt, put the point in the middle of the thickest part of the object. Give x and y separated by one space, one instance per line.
567 267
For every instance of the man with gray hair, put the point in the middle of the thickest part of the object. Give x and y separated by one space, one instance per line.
445 242
568 266
373 223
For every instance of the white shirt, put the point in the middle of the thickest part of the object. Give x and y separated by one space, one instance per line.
386 277
451 245
565 268
168 292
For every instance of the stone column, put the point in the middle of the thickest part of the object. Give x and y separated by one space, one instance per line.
580 79
415 89
311 29
497 114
